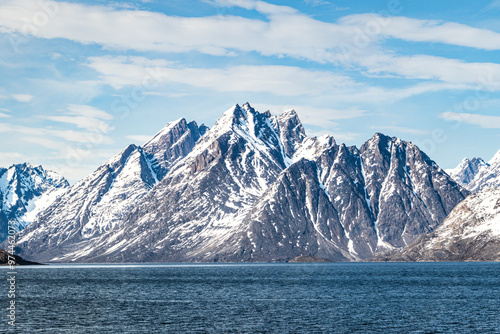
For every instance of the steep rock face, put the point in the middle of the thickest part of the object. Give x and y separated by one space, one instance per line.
470 233
25 190
172 143
255 188
291 131
95 205
408 193
294 217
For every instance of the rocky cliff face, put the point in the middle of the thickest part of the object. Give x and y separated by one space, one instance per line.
256 188
25 190
470 233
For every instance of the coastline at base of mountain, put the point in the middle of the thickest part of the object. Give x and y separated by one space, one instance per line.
309 259
4 259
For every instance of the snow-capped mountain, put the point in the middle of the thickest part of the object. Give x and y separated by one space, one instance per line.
477 175
26 190
254 187
471 232
95 205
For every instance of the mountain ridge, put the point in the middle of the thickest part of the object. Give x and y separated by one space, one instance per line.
219 197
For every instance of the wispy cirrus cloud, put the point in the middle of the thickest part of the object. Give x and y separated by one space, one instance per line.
484 121
67 135
84 117
275 79
22 97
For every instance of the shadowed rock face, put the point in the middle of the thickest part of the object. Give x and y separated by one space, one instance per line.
253 188
471 232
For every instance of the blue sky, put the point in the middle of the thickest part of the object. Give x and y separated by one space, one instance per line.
80 80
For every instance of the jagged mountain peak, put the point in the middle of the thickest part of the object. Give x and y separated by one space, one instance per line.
239 131
179 123
476 174
292 132
172 143
34 176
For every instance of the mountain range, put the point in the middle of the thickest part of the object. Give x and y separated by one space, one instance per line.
26 190
254 187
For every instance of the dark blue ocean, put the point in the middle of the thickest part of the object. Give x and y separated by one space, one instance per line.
257 298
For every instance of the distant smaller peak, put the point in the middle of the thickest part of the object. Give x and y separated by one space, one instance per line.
27 165
379 135
288 113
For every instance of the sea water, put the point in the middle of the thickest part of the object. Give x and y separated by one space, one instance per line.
256 298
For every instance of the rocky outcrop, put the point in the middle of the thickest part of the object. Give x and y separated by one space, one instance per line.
6 259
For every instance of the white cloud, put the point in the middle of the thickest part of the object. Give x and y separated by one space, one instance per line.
85 117
3 115
287 32
22 97
67 135
484 121
442 69
88 111
416 30
6 158
280 80
316 2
